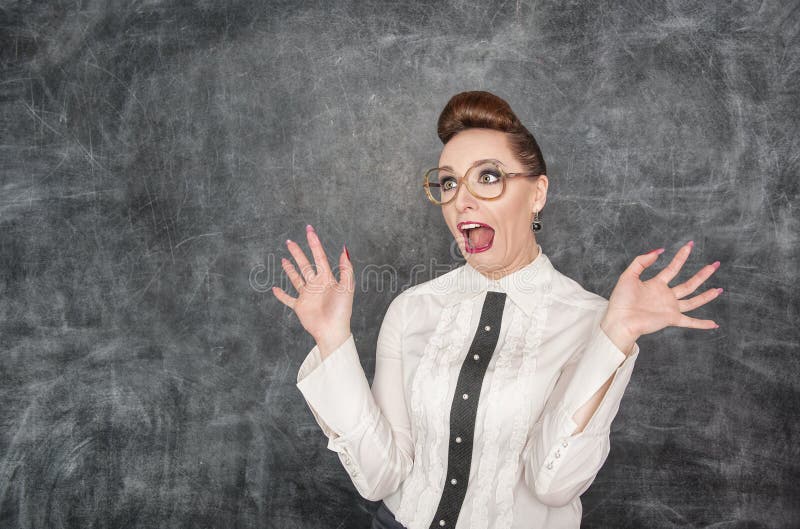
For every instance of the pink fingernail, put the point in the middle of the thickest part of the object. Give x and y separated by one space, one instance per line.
288 241
658 251
720 290
715 264
716 326
309 227
690 243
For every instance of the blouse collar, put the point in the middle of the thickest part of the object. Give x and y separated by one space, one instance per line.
522 286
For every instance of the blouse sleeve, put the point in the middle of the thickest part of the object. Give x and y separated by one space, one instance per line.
368 428
560 466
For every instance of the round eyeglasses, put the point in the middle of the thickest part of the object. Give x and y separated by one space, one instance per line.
485 179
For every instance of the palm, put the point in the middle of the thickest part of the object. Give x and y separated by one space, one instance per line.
644 307
322 302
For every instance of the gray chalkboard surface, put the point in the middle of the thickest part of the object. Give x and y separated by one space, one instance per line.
155 155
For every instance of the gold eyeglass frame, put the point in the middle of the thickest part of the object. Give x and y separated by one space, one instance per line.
460 178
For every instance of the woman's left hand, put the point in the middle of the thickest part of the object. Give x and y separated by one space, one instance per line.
639 307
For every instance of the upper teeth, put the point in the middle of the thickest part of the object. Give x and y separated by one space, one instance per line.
470 226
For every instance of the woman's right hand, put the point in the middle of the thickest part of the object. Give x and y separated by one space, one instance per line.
324 305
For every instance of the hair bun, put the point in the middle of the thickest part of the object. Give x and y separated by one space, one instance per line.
484 110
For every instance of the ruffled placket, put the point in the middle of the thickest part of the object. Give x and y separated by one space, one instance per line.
509 398
430 415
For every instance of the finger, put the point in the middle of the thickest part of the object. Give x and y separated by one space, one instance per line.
698 301
346 271
689 286
294 277
671 270
320 259
641 262
283 297
305 267
694 323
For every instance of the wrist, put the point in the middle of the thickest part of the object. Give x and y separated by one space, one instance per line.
619 335
330 341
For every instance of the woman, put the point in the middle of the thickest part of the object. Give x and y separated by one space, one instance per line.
496 383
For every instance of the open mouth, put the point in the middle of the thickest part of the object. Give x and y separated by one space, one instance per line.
478 236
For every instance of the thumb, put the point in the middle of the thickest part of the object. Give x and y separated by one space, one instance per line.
641 262
346 270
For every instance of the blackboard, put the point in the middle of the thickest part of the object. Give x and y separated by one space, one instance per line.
155 155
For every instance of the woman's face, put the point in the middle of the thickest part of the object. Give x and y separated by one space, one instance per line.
510 240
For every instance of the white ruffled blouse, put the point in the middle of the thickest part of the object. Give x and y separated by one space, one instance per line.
527 468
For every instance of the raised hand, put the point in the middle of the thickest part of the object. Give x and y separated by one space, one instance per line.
324 305
639 307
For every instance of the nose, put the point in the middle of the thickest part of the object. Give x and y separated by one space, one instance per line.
464 199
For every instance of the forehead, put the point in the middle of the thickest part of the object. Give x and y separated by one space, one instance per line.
471 145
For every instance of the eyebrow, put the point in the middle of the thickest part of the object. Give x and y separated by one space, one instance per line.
475 163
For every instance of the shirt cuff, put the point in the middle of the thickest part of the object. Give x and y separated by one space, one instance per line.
600 360
336 389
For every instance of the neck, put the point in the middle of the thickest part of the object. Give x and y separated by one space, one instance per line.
523 259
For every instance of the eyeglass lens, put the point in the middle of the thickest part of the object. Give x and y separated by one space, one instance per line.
485 180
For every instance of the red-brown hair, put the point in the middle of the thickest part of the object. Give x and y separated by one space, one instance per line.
480 109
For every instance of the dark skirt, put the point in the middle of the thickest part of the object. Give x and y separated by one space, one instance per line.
384 519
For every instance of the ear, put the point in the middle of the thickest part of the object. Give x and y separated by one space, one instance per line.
539 194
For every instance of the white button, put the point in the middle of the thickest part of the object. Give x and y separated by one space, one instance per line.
558 454
442 522
564 443
549 465
458 439
465 396
476 357
488 328
453 481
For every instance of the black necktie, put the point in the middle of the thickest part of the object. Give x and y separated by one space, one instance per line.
465 408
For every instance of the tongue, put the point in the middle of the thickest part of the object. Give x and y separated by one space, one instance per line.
480 237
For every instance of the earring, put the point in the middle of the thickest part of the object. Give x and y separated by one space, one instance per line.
537 222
